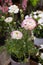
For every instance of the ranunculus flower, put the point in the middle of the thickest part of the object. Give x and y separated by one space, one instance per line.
40 21
29 24
8 20
16 35
13 9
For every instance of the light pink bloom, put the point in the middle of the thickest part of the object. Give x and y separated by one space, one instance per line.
16 34
24 4
29 24
8 19
4 9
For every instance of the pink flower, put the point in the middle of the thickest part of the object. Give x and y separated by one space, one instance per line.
4 9
29 24
16 34
24 4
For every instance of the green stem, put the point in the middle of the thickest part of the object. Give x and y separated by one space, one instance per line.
10 27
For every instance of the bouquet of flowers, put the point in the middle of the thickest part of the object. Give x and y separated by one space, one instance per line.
17 29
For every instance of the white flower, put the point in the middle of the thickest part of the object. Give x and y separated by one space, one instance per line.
8 20
41 47
35 16
13 9
41 56
16 35
40 21
39 64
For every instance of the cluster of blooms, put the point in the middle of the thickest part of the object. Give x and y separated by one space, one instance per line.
28 23
38 15
6 3
14 34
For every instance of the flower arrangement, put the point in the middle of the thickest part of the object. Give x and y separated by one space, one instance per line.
17 28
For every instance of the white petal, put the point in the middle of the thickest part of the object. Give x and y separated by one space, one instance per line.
35 16
41 56
35 12
39 64
40 21
10 11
